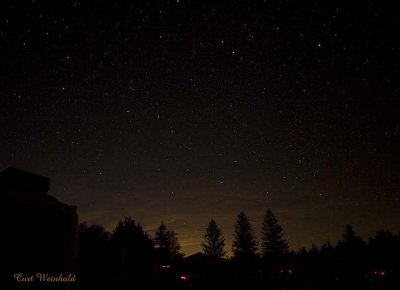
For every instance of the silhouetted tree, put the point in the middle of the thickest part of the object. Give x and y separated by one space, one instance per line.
273 242
383 239
162 239
175 246
133 247
327 249
351 255
349 233
351 241
244 244
93 251
385 248
214 241
166 244
90 236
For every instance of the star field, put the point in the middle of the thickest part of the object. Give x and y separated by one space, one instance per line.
183 112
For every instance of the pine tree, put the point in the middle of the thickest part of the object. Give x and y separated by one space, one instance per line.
353 250
92 247
272 236
166 243
349 234
351 242
214 241
131 243
162 239
244 244
174 245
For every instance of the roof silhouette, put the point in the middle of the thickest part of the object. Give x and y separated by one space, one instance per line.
17 180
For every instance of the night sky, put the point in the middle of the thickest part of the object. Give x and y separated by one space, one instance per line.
184 111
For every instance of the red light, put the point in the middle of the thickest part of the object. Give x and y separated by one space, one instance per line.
290 271
183 277
382 273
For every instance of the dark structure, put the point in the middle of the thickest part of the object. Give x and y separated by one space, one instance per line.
39 233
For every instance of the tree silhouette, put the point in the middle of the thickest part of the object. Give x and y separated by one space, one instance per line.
351 241
166 243
214 241
128 255
349 233
272 236
385 248
244 244
92 248
131 244
162 239
353 250
174 246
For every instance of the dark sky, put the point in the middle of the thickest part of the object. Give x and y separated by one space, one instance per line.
184 111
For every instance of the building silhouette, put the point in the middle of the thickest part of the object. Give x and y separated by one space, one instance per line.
39 233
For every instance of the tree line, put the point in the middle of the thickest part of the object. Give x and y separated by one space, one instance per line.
128 242
128 250
245 244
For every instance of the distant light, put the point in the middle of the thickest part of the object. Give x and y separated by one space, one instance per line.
183 277
382 273
290 271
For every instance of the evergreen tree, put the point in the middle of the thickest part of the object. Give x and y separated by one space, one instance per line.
349 234
133 247
167 244
162 239
353 250
244 244
272 236
93 250
351 243
384 247
174 246
214 241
